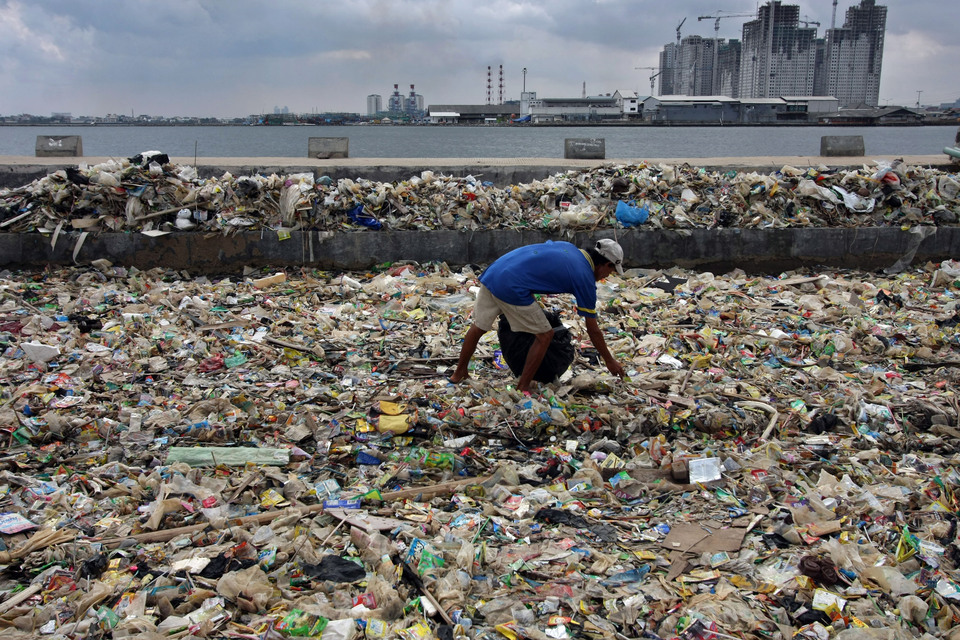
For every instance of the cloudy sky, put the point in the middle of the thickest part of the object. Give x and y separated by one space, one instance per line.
228 58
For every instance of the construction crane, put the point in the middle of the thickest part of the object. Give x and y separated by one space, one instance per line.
716 40
657 69
652 78
808 22
678 30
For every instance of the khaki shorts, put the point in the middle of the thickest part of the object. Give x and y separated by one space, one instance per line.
529 318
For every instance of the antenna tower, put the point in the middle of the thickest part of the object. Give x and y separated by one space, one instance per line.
489 87
500 85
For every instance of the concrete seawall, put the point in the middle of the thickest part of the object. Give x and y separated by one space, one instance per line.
19 170
754 250
719 250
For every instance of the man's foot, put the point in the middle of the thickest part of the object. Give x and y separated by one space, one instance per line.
458 377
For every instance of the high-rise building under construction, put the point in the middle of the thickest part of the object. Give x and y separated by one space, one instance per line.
668 67
778 57
853 56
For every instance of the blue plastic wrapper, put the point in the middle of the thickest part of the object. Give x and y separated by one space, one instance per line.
630 215
626 577
357 216
366 458
352 503
498 360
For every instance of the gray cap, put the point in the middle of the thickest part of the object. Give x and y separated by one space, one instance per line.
612 251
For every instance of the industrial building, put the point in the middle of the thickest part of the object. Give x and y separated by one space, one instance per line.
742 111
608 107
471 113
374 104
398 105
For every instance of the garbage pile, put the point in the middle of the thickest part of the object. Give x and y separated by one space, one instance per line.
146 193
280 455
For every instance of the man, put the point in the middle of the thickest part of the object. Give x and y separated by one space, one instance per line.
508 285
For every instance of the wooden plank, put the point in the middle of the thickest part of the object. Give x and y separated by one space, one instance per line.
20 597
365 521
432 490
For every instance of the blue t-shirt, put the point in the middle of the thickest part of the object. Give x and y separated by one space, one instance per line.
551 267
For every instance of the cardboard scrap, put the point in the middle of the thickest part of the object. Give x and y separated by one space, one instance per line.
689 537
365 521
820 529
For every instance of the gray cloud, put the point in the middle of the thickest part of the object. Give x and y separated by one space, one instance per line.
232 58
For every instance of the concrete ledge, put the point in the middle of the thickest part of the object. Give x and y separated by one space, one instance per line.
16 171
585 148
841 146
59 146
756 251
328 148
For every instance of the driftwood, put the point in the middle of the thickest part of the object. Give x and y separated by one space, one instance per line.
49 537
169 534
260 518
19 597
432 490
41 540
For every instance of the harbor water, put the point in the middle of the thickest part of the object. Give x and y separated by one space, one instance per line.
383 141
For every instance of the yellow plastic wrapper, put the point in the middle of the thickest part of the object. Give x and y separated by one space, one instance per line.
419 631
271 498
391 408
393 424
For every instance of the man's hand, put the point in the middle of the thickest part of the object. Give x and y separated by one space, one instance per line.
596 337
616 369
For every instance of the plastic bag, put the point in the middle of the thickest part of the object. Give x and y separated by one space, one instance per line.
251 583
949 188
581 216
357 216
630 215
913 609
516 344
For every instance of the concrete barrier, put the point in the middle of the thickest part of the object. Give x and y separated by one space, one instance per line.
585 148
327 148
842 146
757 251
59 147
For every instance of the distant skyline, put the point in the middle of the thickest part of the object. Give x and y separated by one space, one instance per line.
231 58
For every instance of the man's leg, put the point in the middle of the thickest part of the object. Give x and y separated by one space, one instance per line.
534 358
470 341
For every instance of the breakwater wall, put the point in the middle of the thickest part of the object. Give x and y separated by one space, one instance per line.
754 250
20 170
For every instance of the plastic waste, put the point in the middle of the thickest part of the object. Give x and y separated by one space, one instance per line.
358 216
630 215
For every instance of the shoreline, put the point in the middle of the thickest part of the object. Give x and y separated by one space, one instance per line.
732 162
528 125
16 171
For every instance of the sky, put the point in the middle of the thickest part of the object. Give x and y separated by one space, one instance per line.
233 58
